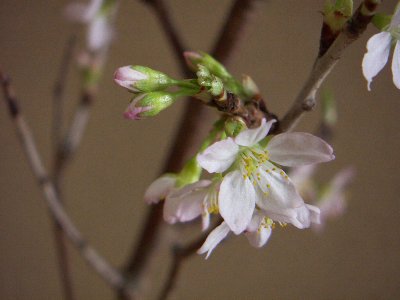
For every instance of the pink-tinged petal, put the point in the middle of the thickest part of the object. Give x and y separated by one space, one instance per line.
259 237
396 65
250 137
276 190
378 48
315 214
236 201
99 34
159 189
134 110
186 204
298 148
257 234
395 22
214 238
300 216
218 157
83 12
127 77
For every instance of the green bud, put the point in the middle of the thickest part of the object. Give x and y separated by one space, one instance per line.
233 126
193 59
381 21
329 112
249 86
337 13
142 79
189 174
149 105
217 87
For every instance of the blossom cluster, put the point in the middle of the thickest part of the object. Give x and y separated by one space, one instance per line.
250 191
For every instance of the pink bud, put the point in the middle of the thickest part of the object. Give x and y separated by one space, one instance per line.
128 77
192 59
134 110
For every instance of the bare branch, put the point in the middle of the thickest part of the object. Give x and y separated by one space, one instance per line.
180 253
306 100
92 257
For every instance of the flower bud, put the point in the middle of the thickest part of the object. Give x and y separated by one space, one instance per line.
193 59
233 126
148 105
142 79
337 13
249 86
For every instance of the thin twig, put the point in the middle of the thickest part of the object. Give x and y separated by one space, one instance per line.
184 144
180 253
98 263
306 100
58 104
164 17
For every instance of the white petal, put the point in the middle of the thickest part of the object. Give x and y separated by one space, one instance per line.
315 213
277 190
259 237
236 201
250 137
218 157
378 48
396 65
256 234
298 148
159 189
99 33
214 238
184 208
395 19
299 216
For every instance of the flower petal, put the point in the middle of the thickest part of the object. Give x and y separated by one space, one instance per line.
99 34
276 190
218 157
396 65
214 238
259 237
299 216
298 148
236 201
250 137
257 234
185 204
315 213
378 48
160 188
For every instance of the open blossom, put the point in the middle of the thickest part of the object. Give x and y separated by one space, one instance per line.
99 31
378 50
330 199
252 178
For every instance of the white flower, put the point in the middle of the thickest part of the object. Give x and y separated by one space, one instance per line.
258 232
127 77
252 178
160 188
99 31
378 49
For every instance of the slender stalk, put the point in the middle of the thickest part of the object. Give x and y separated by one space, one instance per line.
306 99
180 253
193 121
58 104
98 263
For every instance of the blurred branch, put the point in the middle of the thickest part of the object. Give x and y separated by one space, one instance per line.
306 100
95 261
58 105
180 253
192 122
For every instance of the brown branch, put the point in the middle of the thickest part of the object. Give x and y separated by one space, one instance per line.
180 253
58 104
306 100
92 257
193 122
175 41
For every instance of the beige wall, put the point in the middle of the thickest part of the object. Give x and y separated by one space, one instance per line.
357 257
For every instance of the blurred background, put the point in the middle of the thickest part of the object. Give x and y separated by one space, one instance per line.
356 257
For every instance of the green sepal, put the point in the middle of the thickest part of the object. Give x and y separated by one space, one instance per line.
156 80
381 21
